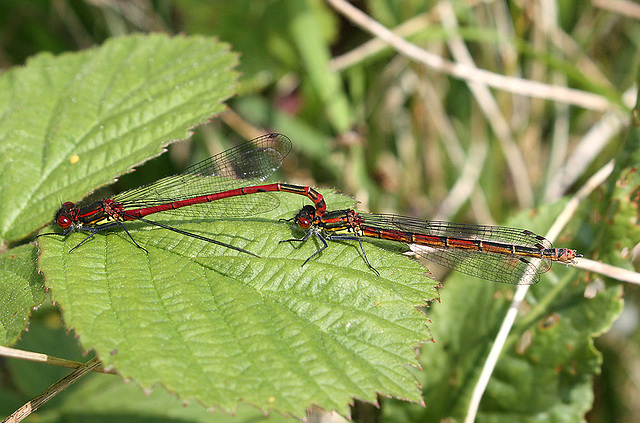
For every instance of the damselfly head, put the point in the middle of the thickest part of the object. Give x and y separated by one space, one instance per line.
305 217
64 216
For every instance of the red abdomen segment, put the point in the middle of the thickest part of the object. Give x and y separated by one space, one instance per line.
313 195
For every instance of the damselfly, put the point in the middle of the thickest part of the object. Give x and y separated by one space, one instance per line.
217 186
496 253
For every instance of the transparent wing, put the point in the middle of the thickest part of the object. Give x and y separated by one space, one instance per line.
486 264
246 164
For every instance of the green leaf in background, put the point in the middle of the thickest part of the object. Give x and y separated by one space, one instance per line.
20 289
225 328
72 123
545 372
618 214
314 55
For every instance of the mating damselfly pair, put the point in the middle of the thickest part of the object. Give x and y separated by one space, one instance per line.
223 185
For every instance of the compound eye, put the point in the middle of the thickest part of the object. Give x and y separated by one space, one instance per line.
303 222
63 221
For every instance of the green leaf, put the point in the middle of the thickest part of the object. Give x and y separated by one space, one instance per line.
20 289
71 123
222 327
618 214
545 371
96 397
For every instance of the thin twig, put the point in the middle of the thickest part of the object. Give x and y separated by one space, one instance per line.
374 46
609 271
47 359
38 401
507 83
627 8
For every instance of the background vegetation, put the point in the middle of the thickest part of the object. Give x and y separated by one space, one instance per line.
406 137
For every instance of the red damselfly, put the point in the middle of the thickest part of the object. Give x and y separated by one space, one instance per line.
213 187
494 253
